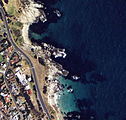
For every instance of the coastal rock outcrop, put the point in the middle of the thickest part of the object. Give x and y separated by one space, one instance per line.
45 51
30 12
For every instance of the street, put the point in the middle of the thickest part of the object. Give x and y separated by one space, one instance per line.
31 64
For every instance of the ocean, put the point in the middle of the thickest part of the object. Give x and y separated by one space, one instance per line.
93 32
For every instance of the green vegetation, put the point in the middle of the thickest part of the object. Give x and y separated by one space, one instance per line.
31 86
16 28
19 24
17 34
0 38
26 62
1 76
1 79
1 58
16 31
35 56
19 41
12 11
52 112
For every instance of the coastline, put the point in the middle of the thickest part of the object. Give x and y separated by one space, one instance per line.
53 84
89 57
53 102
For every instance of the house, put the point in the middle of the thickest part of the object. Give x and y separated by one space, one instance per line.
1 105
16 117
2 53
1 116
29 91
29 79
21 77
15 59
3 94
27 87
7 58
10 48
7 99
4 65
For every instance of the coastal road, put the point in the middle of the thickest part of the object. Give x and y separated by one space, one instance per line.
33 71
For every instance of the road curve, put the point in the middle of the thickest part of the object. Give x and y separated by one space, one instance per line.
33 71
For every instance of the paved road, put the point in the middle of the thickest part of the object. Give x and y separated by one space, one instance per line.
33 71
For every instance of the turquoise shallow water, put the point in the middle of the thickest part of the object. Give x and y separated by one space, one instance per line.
67 100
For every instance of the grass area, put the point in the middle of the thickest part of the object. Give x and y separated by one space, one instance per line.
1 58
0 38
33 95
1 75
12 7
26 62
19 41
16 32
18 24
12 11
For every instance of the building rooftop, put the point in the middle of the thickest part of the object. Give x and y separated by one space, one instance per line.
21 77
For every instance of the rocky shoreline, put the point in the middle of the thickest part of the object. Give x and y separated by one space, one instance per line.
31 13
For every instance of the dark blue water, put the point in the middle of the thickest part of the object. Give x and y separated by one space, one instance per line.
94 35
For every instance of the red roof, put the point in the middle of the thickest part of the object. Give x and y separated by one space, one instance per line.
1 104
15 60
29 91
7 99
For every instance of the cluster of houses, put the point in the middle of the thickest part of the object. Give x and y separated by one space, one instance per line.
4 57
6 104
13 74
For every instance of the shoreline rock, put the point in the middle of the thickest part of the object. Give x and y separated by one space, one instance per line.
53 73
31 13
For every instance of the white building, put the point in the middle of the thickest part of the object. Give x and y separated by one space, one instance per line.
21 76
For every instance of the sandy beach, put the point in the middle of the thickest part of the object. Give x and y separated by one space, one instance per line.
25 34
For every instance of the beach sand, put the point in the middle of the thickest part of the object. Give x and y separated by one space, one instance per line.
25 34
